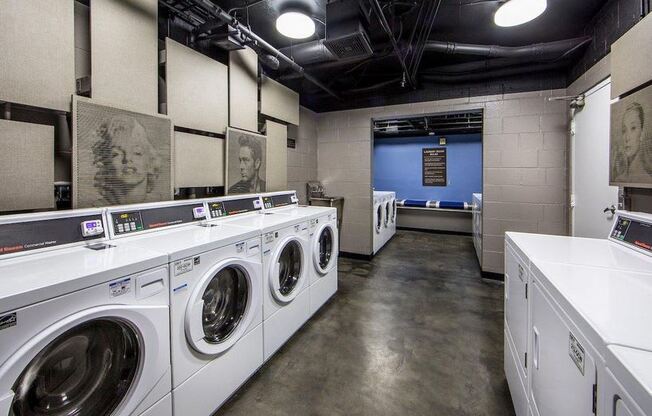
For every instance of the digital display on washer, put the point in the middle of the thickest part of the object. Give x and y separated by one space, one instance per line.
276 201
46 233
238 206
633 232
147 219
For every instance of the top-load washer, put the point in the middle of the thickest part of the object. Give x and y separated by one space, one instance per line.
378 221
215 297
84 325
286 299
324 240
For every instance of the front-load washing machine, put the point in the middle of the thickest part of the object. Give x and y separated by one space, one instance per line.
286 299
627 390
389 229
84 325
323 242
379 221
215 297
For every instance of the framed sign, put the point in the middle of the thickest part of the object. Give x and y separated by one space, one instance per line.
434 167
245 162
631 140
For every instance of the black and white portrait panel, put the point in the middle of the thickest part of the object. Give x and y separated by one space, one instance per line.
631 140
245 162
120 157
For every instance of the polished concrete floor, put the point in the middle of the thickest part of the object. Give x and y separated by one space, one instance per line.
416 331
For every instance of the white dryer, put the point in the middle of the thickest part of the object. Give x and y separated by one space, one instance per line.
627 390
378 222
324 242
286 275
84 325
215 297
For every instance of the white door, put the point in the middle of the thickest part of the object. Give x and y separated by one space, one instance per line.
590 165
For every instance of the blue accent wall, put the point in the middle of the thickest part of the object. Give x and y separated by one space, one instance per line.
398 167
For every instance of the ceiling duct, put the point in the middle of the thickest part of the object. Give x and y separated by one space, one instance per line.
345 35
540 50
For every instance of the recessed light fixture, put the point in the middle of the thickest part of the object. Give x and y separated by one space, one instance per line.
295 25
517 12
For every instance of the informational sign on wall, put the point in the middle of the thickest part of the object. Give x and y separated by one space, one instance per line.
434 167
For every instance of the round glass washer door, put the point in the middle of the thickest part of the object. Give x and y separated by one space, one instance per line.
286 277
379 218
393 210
325 249
86 370
222 306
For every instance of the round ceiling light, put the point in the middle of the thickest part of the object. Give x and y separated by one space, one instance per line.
295 25
517 12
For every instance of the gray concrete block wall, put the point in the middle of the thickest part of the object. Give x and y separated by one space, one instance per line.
524 156
302 161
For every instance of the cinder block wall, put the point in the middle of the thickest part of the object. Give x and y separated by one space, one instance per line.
525 158
302 161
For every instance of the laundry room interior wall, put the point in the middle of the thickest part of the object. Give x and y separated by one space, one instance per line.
398 167
524 166
302 160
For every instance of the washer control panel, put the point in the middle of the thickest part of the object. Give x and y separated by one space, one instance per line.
127 222
223 208
91 228
281 200
634 231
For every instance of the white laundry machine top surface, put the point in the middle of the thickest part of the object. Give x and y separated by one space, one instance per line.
193 239
33 278
581 251
265 221
633 369
616 304
305 212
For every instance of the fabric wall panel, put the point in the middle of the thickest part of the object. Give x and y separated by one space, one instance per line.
38 36
277 166
631 58
278 101
197 89
124 54
198 160
26 166
243 87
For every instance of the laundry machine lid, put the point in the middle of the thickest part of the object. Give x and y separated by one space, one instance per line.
287 270
30 279
222 306
325 248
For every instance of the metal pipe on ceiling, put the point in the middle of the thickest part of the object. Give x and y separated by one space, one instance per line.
496 51
223 16
399 54
495 73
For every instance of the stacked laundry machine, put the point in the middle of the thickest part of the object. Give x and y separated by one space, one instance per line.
577 336
384 217
155 309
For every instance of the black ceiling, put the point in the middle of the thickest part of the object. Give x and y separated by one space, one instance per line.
465 21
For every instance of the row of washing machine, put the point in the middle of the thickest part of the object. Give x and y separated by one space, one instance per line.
577 330
384 218
155 309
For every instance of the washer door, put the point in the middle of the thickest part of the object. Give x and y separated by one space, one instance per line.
287 270
325 249
102 361
222 306
379 218
87 370
393 211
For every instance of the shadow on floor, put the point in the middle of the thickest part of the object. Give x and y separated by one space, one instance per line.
415 331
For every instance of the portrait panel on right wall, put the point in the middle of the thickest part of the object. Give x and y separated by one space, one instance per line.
631 140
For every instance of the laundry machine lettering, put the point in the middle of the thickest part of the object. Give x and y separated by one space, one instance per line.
7 321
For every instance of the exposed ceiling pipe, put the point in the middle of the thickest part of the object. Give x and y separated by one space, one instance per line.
494 51
496 73
399 54
416 58
223 16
